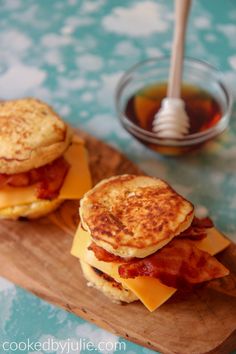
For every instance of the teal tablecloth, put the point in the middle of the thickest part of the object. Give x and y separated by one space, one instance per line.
71 54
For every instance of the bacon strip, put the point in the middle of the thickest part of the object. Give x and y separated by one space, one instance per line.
105 256
15 180
53 178
179 264
49 178
197 230
3 180
203 223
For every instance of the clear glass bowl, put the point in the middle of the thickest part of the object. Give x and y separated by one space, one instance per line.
153 71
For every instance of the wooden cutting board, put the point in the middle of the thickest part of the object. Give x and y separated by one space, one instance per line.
36 256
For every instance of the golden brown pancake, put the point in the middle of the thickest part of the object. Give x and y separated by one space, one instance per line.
107 285
134 216
31 135
33 210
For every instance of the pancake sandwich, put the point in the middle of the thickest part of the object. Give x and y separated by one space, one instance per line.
42 163
140 240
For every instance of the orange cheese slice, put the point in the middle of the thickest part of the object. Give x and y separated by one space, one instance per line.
214 243
10 196
78 179
150 291
76 183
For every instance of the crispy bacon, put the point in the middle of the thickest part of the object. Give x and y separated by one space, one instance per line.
53 177
105 256
3 180
203 223
179 264
15 180
197 230
19 180
49 178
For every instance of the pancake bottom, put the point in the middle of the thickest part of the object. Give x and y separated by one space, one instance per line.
31 211
106 284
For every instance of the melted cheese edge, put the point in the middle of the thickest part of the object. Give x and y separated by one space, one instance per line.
77 181
150 291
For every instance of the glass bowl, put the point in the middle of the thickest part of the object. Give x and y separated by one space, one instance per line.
153 71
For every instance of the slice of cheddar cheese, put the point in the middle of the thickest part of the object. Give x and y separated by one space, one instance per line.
76 183
10 196
150 291
214 243
78 179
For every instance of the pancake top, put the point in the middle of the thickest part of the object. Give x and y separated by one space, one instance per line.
31 135
134 216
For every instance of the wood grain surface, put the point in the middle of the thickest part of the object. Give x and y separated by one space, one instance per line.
36 256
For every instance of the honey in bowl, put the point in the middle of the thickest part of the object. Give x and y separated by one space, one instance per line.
202 108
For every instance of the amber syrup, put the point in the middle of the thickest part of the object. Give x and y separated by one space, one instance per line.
203 109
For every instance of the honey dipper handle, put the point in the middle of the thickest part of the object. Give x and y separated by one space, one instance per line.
175 75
